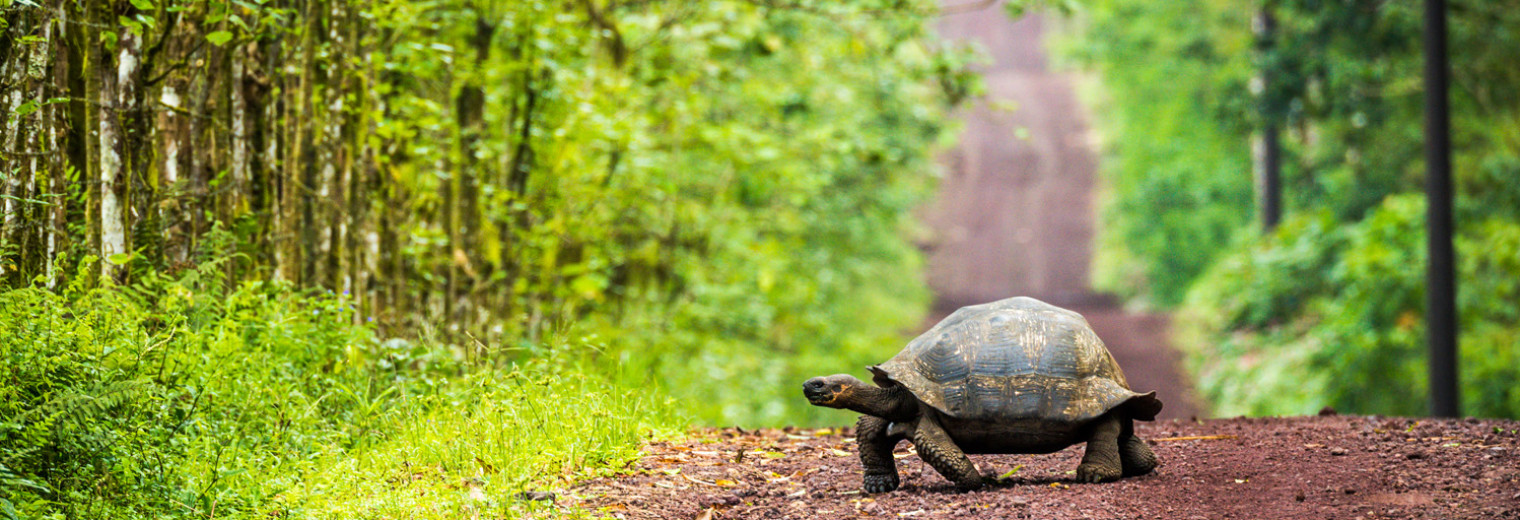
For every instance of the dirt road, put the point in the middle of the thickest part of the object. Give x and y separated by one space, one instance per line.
1296 468
1015 216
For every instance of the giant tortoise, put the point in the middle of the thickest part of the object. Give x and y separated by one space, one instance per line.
1012 376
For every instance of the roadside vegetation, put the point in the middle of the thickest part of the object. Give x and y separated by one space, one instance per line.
1326 310
375 259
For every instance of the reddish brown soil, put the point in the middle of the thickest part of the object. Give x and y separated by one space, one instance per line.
1337 467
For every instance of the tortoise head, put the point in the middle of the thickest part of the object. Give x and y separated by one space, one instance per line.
836 391
886 399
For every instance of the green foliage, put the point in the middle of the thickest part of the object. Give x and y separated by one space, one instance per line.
1328 309
1177 171
128 401
699 184
180 398
725 209
580 207
1318 314
473 445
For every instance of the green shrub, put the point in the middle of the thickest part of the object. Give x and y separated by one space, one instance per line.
184 398
1322 316
174 397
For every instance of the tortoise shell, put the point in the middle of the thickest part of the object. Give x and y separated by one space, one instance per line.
1013 359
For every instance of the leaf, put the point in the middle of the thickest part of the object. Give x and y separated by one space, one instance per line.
27 108
725 482
1010 473
144 5
119 258
219 38
841 453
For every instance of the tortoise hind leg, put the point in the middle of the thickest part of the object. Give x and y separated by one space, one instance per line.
876 445
937 449
1102 463
1136 456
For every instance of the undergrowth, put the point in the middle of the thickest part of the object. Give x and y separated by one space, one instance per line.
187 398
1319 314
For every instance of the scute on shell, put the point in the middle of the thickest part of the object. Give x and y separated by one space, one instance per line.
1018 358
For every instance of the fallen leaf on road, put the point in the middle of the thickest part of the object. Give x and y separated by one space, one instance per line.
702 482
725 482
1010 473
841 453
706 515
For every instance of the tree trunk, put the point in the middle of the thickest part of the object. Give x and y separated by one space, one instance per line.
173 127
198 200
57 229
236 197
146 232
113 188
13 58
470 114
303 159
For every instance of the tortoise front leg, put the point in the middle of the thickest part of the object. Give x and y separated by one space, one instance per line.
876 446
1101 463
937 449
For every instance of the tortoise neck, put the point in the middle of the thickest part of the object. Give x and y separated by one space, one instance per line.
894 404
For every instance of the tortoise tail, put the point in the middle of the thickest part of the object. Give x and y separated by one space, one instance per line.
1143 407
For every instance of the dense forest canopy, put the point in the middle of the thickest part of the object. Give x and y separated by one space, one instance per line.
502 169
253 243
1328 309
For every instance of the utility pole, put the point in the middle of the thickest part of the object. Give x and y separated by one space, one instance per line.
1266 153
1441 290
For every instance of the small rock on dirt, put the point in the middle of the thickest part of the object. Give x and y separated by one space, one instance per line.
536 496
1337 451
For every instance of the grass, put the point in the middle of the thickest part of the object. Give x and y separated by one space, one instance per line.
181 398
471 449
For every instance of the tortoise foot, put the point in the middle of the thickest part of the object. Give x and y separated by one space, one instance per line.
1137 457
880 483
970 485
1092 472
